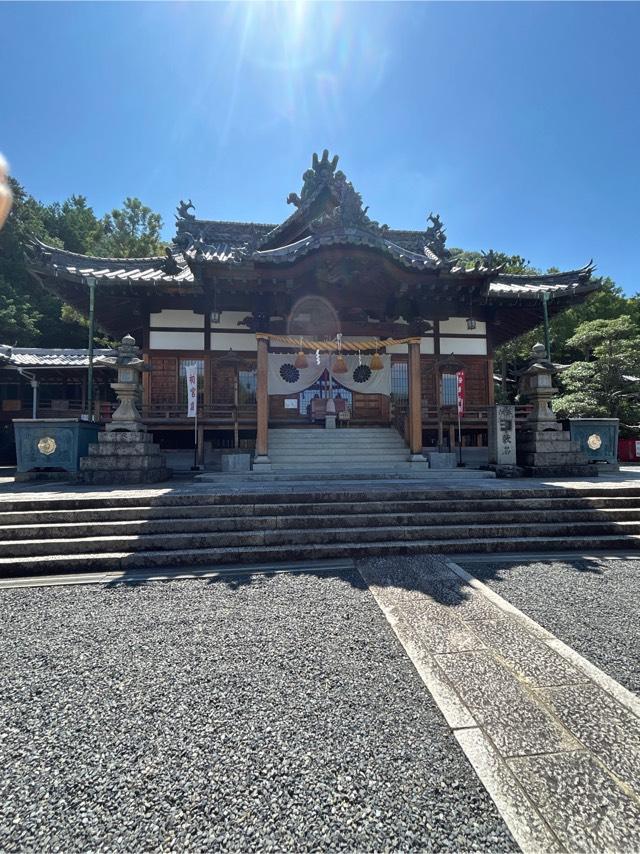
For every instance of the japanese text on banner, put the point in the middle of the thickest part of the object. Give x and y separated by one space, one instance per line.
460 392
192 392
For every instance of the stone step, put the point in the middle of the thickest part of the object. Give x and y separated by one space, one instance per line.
465 508
336 454
457 497
297 448
122 560
251 536
139 526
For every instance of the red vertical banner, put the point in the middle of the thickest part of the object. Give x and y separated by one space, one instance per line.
460 393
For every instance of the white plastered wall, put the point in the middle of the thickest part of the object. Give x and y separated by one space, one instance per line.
464 346
458 326
176 340
179 317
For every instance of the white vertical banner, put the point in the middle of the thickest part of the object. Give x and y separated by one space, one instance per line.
192 391
460 391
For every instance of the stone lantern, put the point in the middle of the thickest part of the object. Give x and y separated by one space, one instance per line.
125 452
536 387
127 388
544 448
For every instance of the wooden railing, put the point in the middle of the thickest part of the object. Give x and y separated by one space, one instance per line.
213 413
477 414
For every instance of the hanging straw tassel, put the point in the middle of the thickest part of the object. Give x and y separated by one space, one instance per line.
376 362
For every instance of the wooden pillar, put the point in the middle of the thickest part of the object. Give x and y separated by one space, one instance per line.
200 446
261 459
415 399
236 405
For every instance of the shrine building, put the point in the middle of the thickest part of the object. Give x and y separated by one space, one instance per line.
328 312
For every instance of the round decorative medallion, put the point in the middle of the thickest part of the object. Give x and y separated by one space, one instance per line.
594 442
47 445
289 373
362 374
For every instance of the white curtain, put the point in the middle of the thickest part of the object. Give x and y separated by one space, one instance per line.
285 378
359 376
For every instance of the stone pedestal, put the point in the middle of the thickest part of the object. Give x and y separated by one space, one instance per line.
236 463
544 453
440 460
124 457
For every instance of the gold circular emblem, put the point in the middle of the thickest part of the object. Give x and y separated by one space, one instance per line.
594 441
47 445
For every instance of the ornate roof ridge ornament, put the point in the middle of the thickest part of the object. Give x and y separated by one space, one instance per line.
182 211
322 173
435 236
348 211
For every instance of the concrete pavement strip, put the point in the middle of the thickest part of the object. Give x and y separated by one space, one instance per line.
554 740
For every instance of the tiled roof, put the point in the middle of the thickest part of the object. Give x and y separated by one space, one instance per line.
238 234
38 357
153 269
531 286
224 254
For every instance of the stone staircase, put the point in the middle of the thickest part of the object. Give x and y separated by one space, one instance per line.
344 451
107 532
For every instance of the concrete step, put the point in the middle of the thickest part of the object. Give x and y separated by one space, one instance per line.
122 560
398 497
422 508
365 457
294 521
343 468
254 536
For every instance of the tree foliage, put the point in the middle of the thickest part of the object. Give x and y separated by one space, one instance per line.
605 381
31 315
133 231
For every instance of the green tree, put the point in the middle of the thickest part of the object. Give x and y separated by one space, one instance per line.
24 304
132 231
29 313
605 381
75 225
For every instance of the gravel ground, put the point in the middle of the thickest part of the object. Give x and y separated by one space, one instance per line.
592 605
276 714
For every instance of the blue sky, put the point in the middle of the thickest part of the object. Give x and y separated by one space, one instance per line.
519 123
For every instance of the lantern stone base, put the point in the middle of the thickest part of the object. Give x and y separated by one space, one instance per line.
124 457
551 452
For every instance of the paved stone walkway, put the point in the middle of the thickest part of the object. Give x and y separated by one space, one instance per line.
555 741
592 603
628 477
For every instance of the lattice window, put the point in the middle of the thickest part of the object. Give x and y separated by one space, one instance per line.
449 390
247 386
399 382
